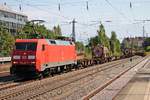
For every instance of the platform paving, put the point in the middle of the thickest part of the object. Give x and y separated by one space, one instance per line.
138 88
110 92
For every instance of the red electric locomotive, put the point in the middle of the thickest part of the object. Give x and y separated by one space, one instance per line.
41 56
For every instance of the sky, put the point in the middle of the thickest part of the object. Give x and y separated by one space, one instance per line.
121 16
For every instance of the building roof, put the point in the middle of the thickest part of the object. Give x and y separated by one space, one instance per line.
7 9
134 38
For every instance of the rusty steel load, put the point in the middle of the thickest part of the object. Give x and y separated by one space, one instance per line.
100 54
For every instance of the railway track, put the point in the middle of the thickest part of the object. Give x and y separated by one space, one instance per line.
78 91
13 83
49 85
104 92
8 85
10 82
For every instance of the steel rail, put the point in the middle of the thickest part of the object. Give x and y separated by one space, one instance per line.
93 93
35 87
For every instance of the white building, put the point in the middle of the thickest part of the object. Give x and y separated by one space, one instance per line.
11 20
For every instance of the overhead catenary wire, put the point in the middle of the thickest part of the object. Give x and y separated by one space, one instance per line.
86 6
47 11
117 10
122 14
44 10
59 7
63 16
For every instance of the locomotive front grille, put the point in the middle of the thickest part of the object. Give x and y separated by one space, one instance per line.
23 70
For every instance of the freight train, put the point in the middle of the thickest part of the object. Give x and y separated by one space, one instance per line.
100 54
44 57
128 52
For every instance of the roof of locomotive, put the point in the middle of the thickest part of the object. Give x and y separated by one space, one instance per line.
49 41
26 40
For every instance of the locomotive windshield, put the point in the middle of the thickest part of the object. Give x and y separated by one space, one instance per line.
26 46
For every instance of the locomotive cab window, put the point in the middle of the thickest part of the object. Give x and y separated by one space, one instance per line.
26 46
52 42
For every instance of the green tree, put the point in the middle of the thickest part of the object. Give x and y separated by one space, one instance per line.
94 41
147 49
36 31
79 47
88 52
57 30
101 38
25 32
147 44
115 44
104 40
85 50
118 48
6 42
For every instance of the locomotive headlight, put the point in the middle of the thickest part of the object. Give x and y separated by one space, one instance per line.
31 57
16 57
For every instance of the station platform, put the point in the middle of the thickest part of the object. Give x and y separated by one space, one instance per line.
138 88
